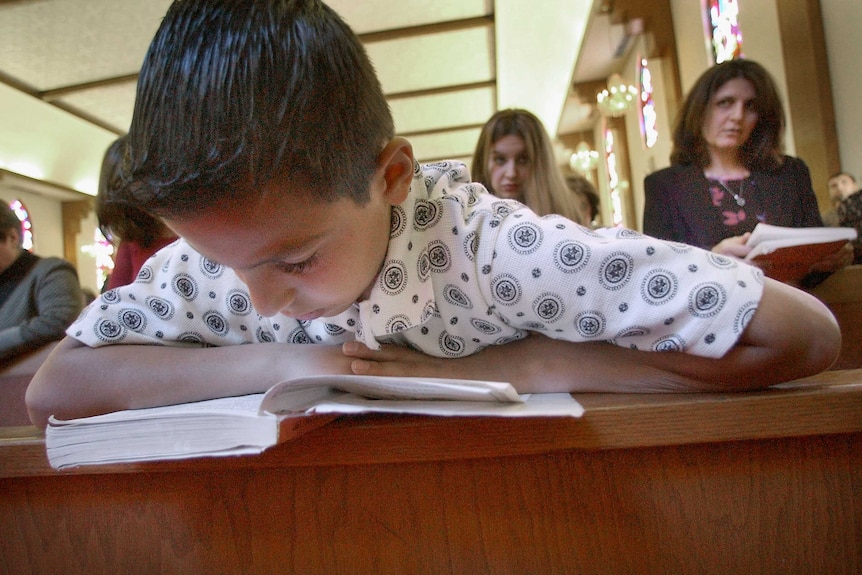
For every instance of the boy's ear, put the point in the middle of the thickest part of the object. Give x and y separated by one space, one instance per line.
395 168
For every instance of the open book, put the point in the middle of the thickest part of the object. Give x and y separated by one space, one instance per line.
787 254
250 424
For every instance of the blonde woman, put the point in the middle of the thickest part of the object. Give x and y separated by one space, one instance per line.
514 159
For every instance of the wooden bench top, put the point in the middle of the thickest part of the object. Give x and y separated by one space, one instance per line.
829 403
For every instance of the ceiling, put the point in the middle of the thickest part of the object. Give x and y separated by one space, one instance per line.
445 65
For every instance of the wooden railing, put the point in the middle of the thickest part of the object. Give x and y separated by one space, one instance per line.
842 292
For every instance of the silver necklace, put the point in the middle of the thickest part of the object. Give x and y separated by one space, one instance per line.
737 196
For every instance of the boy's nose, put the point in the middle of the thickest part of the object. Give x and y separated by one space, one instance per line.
268 298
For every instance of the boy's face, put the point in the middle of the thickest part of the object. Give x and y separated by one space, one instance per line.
298 255
841 187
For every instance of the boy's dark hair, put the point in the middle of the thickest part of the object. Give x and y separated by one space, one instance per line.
235 92
9 221
763 150
119 220
836 174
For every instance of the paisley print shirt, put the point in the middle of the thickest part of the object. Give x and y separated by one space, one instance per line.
464 270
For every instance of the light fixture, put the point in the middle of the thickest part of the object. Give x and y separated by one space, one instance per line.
617 98
584 159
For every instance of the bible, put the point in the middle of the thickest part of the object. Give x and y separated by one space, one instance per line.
250 424
787 254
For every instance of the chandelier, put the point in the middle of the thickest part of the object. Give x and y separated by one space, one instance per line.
617 98
584 159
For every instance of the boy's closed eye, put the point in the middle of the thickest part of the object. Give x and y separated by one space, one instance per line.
297 267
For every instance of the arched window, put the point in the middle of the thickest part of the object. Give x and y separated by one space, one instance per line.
725 36
26 225
646 106
103 252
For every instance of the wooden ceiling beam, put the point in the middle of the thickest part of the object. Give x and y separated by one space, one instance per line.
425 29
442 90
55 93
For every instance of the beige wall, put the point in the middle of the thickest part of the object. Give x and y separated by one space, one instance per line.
842 23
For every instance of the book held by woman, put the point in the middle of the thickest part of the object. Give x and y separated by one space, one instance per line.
787 254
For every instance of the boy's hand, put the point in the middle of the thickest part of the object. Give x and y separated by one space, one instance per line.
398 361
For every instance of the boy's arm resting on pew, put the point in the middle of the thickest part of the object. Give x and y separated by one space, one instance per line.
792 335
77 380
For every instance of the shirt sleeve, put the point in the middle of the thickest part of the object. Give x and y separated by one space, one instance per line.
568 282
180 298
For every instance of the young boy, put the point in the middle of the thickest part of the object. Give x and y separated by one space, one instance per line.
846 196
840 185
262 136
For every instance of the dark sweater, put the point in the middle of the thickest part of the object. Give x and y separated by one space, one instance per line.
679 205
42 298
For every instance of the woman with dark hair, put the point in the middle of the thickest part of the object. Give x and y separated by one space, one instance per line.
727 169
136 233
514 159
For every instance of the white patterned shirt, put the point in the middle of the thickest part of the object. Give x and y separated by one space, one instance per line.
464 270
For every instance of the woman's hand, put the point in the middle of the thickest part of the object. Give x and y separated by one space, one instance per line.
735 246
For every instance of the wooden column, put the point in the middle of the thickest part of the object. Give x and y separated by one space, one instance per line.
73 213
809 93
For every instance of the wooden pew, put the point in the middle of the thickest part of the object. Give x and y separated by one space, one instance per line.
14 378
842 293
765 482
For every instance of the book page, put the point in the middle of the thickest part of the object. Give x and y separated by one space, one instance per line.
301 393
767 238
243 404
532 405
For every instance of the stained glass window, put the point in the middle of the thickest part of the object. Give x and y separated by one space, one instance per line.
102 251
613 179
646 105
26 225
725 36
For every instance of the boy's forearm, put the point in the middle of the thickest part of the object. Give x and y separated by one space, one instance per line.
77 381
792 335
